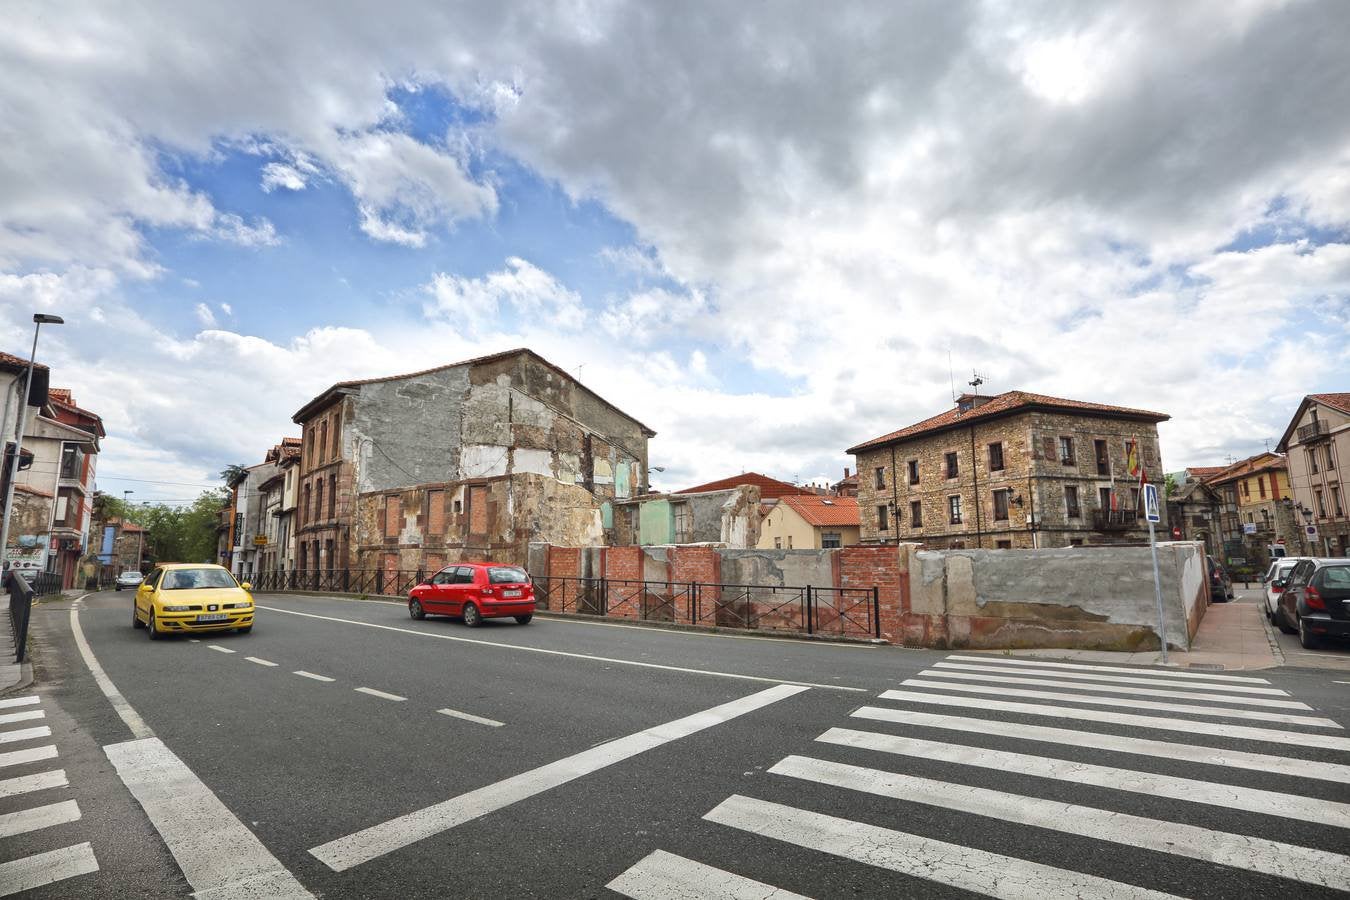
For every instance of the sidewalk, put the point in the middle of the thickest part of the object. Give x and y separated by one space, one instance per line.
1231 636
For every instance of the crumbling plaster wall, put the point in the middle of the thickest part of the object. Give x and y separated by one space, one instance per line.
407 431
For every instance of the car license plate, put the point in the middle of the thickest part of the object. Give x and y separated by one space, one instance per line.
213 617
510 593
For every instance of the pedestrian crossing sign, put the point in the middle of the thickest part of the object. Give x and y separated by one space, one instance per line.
1151 511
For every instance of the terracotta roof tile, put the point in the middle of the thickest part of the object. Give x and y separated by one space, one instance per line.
1335 401
825 511
1006 404
1261 462
769 488
10 361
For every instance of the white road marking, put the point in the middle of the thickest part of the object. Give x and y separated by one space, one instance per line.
1212 756
24 734
964 867
665 876
18 701
219 856
586 656
1115 689
303 674
261 662
119 703
381 694
1219 729
468 717
26 715
373 842
1217 711
1240 851
1160 673
19 757
194 640
220 649
38 782
1272 803
1114 679
564 619
39 817
34 871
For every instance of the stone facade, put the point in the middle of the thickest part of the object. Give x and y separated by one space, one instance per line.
470 427
1318 444
1017 452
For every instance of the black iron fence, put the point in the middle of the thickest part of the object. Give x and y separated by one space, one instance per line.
22 589
846 612
850 612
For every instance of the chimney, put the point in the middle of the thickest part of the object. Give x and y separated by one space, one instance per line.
846 473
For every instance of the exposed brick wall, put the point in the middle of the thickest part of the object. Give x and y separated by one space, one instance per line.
623 566
864 567
704 565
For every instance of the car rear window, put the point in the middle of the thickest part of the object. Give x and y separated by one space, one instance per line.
1336 577
507 575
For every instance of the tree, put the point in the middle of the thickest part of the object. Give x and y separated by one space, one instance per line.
233 474
1170 486
184 533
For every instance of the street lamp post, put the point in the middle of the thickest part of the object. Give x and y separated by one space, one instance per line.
126 502
39 319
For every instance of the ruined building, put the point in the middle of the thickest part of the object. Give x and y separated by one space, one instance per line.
470 460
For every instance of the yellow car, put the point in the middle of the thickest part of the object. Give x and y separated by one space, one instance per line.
190 597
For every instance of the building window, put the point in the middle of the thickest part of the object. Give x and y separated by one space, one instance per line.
684 524
1076 542
337 437
332 496
789 542
953 468
70 462
1336 501
459 508
1001 505
1005 545
393 516
831 539
1312 462
996 457
1246 489
309 448
1331 460
1066 451
1134 498
883 519
913 471
435 511
318 498
1261 485
880 477
323 440
1103 459
309 510
916 514
1104 495
954 509
1321 507
778 543
1071 501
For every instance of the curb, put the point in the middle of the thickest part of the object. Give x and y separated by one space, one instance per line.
25 679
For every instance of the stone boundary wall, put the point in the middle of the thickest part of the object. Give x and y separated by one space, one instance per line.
1078 598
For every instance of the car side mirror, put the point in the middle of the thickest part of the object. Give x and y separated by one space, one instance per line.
246 586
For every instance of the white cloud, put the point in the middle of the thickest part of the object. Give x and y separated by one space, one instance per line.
205 316
521 288
279 175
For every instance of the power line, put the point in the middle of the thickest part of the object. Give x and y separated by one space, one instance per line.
148 481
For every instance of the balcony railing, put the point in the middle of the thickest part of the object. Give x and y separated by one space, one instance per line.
1114 519
1312 431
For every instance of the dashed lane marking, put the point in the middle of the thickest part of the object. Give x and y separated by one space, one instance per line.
303 674
220 649
469 717
261 662
381 694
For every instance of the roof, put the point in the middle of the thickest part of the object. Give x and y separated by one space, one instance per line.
62 399
1203 472
824 511
1337 401
1007 404
10 361
769 488
1261 462
308 408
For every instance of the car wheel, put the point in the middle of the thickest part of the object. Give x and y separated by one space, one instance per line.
525 620
151 627
1306 638
117 587
415 609
472 617
1281 624
135 619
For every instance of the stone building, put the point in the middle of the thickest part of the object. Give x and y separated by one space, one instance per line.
465 460
1011 471
1194 508
729 517
1317 442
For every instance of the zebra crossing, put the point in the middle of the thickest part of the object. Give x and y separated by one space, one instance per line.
31 787
1034 748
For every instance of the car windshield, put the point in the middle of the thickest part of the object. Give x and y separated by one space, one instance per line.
190 579
507 575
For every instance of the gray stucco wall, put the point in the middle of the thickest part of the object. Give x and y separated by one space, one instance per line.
407 432
793 568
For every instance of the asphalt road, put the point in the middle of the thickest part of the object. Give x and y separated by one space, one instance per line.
330 721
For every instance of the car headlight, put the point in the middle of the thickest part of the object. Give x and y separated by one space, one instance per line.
177 608
237 605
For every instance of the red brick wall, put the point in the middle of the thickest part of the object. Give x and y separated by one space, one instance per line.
864 566
624 566
701 564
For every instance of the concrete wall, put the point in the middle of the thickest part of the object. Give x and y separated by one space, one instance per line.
729 517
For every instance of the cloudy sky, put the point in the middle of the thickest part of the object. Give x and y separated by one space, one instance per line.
763 229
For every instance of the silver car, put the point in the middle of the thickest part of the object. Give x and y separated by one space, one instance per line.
1273 581
130 580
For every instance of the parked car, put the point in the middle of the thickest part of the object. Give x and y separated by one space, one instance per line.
128 580
475 591
1274 580
187 598
1316 601
1220 584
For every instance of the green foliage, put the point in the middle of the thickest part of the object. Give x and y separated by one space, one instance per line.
174 533
1170 486
233 474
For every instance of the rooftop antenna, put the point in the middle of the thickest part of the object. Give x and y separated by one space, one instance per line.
951 374
1267 440
976 381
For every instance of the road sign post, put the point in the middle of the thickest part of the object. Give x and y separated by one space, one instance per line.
1152 514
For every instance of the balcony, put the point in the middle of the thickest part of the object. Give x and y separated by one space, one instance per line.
1315 430
1114 519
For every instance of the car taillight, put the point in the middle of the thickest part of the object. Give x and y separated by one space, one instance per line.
1276 589
487 592
1313 598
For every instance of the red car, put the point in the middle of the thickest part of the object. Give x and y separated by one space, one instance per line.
475 591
